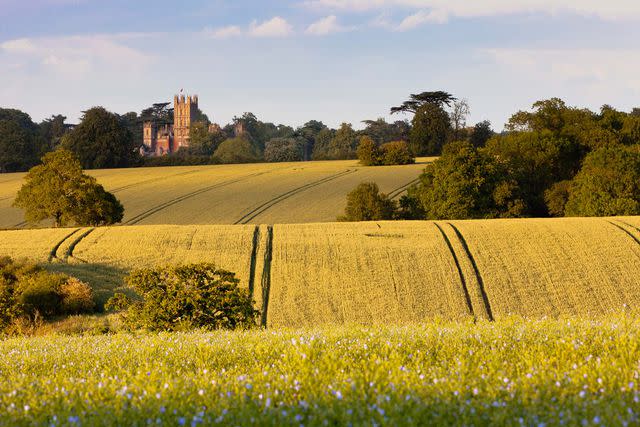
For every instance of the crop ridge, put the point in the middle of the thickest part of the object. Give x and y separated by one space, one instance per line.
53 254
72 246
154 180
483 293
266 275
270 203
136 219
254 255
456 261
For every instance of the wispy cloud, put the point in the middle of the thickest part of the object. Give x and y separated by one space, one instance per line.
275 27
439 11
224 32
325 26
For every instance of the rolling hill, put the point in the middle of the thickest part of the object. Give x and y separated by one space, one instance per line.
261 193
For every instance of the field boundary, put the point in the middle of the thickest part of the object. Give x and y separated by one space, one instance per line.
53 254
483 293
151 211
254 256
70 249
463 281
266 275
275 200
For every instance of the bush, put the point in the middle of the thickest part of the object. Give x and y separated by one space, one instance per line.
366 203
189 296
367 152
396 153
557 197
77 297
118 302
608 184
237 150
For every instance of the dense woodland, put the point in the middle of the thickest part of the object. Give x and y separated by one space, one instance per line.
552 160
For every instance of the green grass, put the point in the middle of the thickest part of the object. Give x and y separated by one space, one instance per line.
513 372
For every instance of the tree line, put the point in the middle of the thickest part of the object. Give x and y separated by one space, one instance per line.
104 139
554 160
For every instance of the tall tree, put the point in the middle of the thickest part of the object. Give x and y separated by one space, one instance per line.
102 140
322 144
58 189
430 130
344 143
52 130
481 133
417 101
458 116
19 141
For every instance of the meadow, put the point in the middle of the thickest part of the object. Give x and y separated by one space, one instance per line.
258 193
512 373
399 272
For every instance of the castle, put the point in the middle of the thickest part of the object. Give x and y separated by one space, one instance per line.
166 139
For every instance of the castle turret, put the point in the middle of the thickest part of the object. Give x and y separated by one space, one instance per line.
184 110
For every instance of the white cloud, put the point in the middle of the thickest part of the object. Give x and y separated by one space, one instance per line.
225 32
607 10
598 71
325 26
275 27
423 17
76 55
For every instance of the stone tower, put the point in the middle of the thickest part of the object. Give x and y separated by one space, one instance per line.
184 110
149 134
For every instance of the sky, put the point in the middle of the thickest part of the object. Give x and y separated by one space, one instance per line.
291 61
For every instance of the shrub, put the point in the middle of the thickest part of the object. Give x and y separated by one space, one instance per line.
396 153
189 296
77 297
367 152
117 302
41 293
366 203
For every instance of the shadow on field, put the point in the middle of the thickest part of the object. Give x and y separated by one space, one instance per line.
104 279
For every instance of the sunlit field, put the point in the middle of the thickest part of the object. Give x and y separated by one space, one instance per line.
261 193
512 372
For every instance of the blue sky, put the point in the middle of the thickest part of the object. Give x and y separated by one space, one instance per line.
289 61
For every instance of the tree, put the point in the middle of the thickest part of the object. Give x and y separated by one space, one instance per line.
344 143
189 296
308 133
417 101
396 153
52 130
19 141
284 150
367 152
366 203
458 116
102 140
201 141
466 183
381 131
557 197
58 189
608 184
481 133
237 150
322 144
430 131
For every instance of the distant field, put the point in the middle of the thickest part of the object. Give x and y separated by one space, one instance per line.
261 193
306 275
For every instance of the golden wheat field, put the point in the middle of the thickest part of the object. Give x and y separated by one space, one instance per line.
375 272
232 194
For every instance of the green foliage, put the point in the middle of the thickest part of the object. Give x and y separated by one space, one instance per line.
322 144
430 130
396 153
52 130
102 140
467 183
381 131
19 141
344 143
118 302
237 150
189 296
201 141
308 133
417 101
608 184
366 203
284 150
481 133
59 189
368 152
557 197
27 291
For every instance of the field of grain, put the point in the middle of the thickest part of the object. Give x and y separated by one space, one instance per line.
375 272
514 372
229 194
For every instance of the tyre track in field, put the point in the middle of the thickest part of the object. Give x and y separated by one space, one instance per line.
137 218
266 276
398 191
53 254
69 252
254 256
476 271
146 181
274 201
463 281
627 232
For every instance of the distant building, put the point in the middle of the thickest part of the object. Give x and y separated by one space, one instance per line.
159 140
